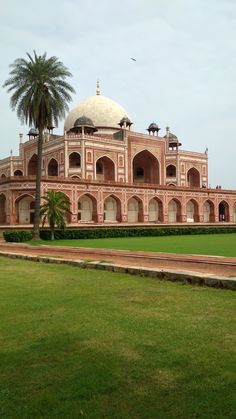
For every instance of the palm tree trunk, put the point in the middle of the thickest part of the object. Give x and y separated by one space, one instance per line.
36 235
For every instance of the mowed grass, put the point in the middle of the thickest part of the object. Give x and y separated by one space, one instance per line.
84 343
203 244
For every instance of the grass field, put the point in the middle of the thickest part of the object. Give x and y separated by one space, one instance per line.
204 244
84 343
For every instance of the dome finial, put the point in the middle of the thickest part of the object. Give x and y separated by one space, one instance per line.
98 88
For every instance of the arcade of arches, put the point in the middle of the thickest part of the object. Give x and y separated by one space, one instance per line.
133 212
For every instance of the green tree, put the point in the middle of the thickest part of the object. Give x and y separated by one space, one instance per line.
40 96
55 210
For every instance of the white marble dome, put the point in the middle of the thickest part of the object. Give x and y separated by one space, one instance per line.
104 112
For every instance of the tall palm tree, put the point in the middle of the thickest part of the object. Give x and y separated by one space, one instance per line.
55 210
40 97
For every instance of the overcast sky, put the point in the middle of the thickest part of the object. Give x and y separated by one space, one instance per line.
184 75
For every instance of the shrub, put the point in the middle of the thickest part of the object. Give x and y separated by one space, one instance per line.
17 236
109 232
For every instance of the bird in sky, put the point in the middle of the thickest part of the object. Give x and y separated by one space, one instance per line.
133 59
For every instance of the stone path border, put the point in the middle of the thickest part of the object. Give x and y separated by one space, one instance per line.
185 277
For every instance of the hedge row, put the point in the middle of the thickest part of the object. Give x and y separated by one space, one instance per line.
97 233
17 236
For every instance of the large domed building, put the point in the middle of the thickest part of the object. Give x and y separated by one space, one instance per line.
113 174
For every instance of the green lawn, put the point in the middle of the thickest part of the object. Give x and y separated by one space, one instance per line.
85 343
203 244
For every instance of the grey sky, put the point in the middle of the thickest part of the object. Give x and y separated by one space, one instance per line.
184 76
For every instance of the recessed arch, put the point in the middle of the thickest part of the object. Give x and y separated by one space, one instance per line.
87 208
174 211
18 173
74 160
193 178
25 209
135 210
112 209
53 167
3 215
3 176
223 209
105 169
192 209
208 211
155 210
171 171
145 168
32 165
234 213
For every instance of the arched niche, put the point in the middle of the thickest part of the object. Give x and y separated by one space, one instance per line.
53 168
193 178
135 210
208 212
87 209
145 168
192 209
105 169
112 209
25 209
155 210
74 160
171 171
234 213
18 173
174 211
2 209
32 165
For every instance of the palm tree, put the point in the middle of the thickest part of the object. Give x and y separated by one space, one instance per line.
40 97
55 210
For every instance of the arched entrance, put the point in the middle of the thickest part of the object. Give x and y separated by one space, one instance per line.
208 212
2 209
155 210
53 168
87 209
3 176
145 168
26 210
192 211
223 211
135 210
112 209
32 165
174 211
105 169
193 178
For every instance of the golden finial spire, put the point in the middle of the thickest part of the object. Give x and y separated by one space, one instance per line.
98 88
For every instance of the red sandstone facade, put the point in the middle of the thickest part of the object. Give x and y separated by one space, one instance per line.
113 175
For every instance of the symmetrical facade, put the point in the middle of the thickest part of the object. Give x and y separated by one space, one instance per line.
113 174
